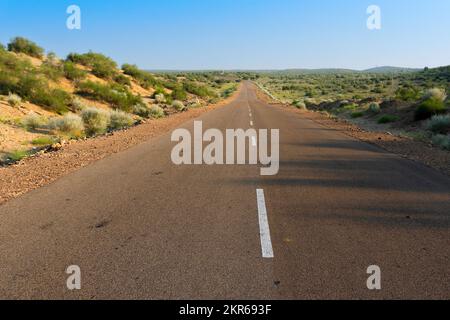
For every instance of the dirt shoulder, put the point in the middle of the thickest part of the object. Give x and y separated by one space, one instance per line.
42 169
403 146
406 147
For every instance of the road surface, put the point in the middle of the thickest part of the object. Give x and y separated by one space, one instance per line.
140 227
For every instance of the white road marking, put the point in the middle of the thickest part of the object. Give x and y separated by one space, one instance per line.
266 242
254 144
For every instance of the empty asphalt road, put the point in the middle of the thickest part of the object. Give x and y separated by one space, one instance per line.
139 226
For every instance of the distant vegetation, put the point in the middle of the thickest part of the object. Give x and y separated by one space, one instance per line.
403 99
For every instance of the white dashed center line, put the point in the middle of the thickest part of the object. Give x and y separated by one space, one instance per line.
264 230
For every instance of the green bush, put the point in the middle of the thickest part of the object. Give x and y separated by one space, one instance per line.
95 121
104 70
387 118
22 45
179 93
349 107
442 141
428 108
198 90
122 80
408 94
28 85
120 120
144 78
439 124
73 73
17 155
51 71
299 105
91 59
71 124
43 141
38 92
55 100
118 96
101 65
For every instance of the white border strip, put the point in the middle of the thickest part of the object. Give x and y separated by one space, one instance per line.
266 242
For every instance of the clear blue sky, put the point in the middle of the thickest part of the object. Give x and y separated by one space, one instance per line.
239 34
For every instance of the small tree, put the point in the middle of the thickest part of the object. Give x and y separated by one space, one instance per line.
22 45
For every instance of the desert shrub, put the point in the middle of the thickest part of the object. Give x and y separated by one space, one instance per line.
178 93
408 94
71 124
14 100
160 98
118 96
55 100
178 105
374 108
428 108
77 104
144 78
28 85
90 59
443 141
104 70
120 120
101 65
387 118
122 80
435 93
51 71
95 121
38 92
34 121
158 90
22 45
141 110
73 73
198 90
7 83
156 112
439 124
